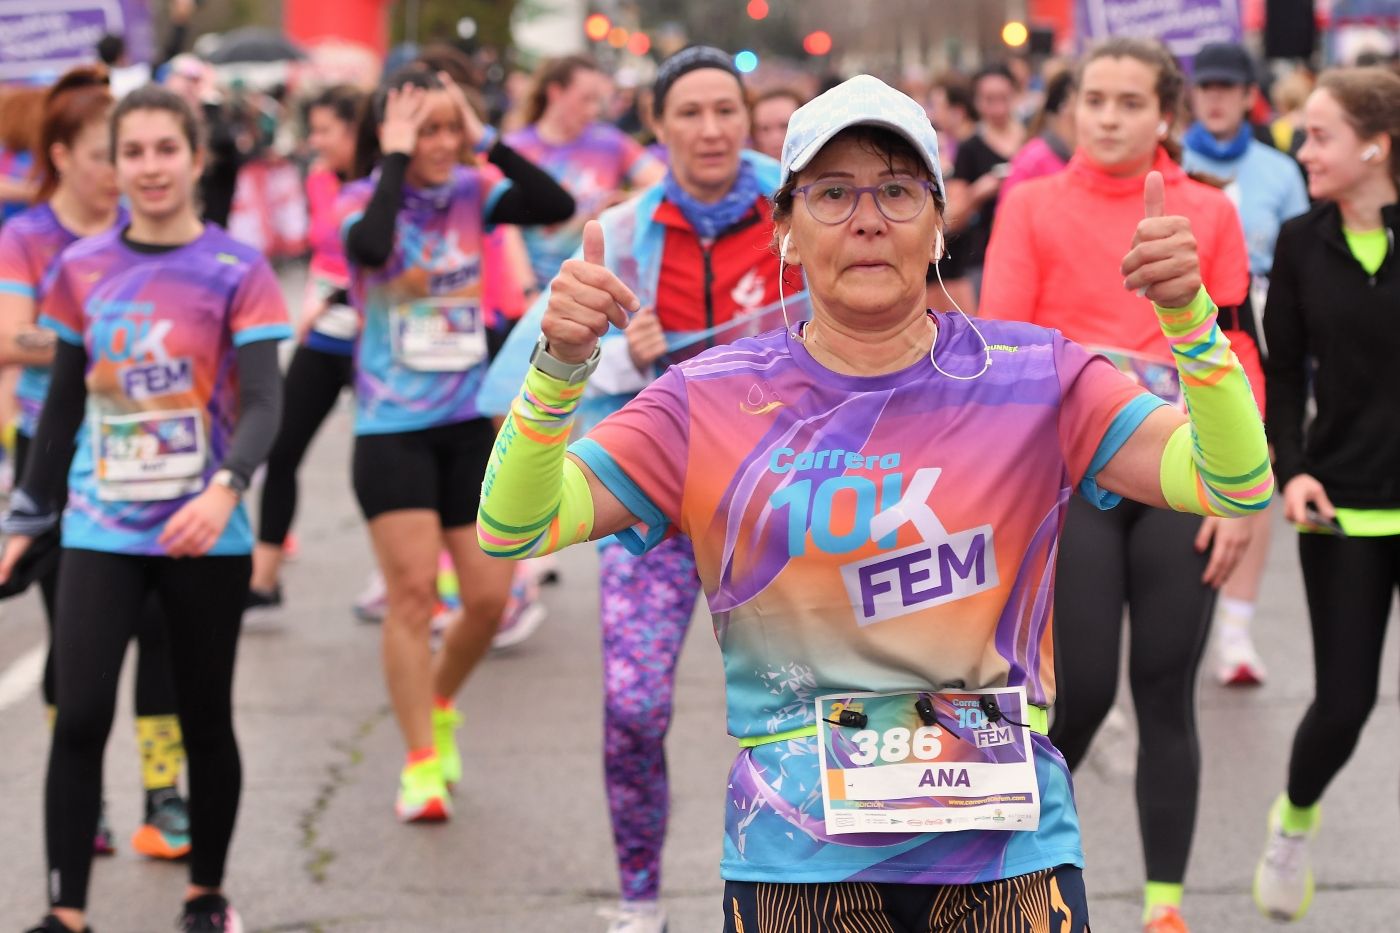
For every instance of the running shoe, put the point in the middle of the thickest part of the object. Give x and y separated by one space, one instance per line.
1237 662
104 843
1283 882
209 913
423 794
524 613
1165 920
446 722
437 627
52 924
166 832
263 599
635 917
373 604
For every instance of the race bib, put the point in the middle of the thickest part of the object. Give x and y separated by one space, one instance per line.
149 456
1157 377
438 334
892 768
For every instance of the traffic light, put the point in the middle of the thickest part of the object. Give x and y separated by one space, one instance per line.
817 42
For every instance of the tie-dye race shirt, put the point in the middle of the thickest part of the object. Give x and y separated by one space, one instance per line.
591 168
161 332
776 467
434 269
29 244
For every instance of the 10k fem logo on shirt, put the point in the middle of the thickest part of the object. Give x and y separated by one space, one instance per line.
944 567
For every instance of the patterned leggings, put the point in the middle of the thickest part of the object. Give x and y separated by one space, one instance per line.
646 607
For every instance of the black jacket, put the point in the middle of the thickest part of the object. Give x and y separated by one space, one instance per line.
1329 323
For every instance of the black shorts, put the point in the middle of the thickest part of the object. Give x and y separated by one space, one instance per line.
1051 900
438 468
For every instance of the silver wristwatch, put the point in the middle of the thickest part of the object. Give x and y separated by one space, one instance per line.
570 373
230 481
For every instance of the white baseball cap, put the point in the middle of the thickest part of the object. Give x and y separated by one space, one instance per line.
862 101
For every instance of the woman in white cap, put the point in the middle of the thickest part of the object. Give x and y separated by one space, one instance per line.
874 497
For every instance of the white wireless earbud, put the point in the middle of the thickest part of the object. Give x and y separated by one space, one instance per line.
1162 128
1370 152
782 248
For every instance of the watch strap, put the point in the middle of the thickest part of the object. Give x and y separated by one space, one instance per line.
570 373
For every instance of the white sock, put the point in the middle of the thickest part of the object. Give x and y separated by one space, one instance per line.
1237 612
647 908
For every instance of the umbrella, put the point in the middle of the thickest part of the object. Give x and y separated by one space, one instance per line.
252 44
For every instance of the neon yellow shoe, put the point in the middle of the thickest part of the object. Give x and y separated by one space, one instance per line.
423 793
446 722
1283 881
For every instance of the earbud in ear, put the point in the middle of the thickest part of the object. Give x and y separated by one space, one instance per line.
783 247
938 245
1370 152
1162 128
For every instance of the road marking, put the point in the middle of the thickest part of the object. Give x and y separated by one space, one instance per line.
19 679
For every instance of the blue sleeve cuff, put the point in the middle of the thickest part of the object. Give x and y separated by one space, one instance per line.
12 287
1124 424
347 223
493 199
263 332
65 333
628 493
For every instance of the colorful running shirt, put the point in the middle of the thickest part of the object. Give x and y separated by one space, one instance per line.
160 331
592 168
775 467
29 244
422 349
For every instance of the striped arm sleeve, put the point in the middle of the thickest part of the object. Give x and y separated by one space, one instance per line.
1218 462
534 500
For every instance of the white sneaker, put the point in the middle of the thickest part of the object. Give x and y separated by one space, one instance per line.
1283 882
524 613
1237 662
635 917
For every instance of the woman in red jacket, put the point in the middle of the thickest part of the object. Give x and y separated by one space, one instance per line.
1048 264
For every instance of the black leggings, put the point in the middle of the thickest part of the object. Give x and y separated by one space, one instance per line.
1144 558
100 599
1350 584
313 383
154 690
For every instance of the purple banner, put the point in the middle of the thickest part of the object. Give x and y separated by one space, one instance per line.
1366 11
42 40
1184 25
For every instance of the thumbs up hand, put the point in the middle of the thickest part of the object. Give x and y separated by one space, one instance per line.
584 299
1162 265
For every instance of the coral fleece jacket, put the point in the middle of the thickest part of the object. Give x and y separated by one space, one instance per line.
1058 241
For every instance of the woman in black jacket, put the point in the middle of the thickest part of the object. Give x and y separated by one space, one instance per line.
1333 322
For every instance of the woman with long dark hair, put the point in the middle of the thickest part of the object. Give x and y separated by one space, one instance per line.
324 361
165 378
78 197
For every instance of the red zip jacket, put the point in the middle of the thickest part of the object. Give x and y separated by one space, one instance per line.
703 285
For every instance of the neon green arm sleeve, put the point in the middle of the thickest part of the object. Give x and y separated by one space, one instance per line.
534 500
1218 462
